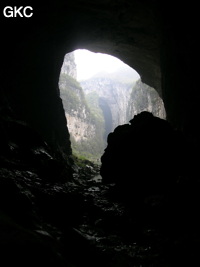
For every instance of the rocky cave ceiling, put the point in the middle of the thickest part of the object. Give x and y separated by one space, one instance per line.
147 35
125 29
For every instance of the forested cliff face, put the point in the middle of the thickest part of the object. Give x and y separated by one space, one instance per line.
113 97
144 98
85 128
94 107
121 98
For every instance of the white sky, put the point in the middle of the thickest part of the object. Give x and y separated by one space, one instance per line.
89 63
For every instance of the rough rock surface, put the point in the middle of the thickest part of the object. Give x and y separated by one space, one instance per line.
78 115
145 98
136 157
85 128
69 66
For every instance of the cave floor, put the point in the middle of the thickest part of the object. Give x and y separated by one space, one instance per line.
115 233
85 222
120 234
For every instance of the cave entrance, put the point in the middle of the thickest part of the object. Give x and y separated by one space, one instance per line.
100 92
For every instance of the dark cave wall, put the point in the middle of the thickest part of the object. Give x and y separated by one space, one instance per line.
180 67
138 32
31 66
33 92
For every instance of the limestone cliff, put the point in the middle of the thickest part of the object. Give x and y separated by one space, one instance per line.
84 128
120 97
69 66
113 98
144 98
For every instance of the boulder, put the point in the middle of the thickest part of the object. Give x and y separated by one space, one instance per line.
144 157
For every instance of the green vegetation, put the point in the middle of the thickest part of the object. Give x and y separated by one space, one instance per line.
74 102
138 99
93 103
71 94
79 160
91 149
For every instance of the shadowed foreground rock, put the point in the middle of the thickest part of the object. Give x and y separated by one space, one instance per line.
153 169
51 216
144 157
147 157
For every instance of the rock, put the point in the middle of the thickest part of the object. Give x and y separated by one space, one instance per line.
145 98
143 158
69 66
22 246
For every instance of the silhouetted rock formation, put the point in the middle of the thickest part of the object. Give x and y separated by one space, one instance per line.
153 171
144 158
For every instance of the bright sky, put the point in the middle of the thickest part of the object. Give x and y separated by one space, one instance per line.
89 63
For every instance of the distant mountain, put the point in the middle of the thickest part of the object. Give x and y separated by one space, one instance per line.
96 106
124 74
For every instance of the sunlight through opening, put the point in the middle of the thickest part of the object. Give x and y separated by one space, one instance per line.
100 92
89 63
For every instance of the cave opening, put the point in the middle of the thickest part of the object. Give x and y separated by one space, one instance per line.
100 92
150 216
